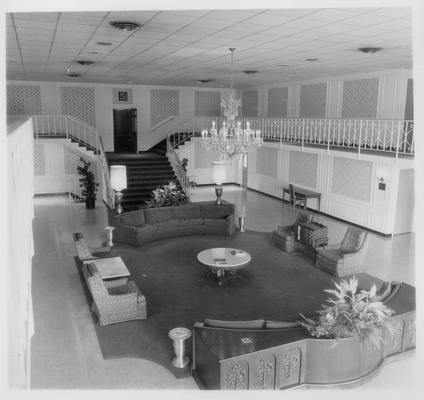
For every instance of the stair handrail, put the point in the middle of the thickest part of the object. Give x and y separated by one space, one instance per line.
178 168
108 193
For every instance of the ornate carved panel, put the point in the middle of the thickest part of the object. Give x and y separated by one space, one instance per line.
207 104
237 376
288 367
39 160
122 96
262 372
163 104
79 102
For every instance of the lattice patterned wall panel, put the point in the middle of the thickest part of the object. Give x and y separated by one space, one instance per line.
266 161
313 100
277 102
303 168
39 160
204 158
360 98
23 100
250 103
163 104
79 102
122 96
71 161
352 178
207 104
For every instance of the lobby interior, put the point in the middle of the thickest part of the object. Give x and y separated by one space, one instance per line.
172 59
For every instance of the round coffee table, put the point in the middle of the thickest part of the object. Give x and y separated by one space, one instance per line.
223 263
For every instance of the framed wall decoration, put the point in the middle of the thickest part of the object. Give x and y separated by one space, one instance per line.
122 96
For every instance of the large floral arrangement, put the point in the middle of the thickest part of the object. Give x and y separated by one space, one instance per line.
167 195
350 313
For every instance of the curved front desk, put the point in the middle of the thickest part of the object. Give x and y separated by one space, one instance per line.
282 358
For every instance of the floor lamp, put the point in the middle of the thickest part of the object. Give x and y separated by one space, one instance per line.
219 174
118 182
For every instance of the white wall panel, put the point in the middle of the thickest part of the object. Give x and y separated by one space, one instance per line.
303 168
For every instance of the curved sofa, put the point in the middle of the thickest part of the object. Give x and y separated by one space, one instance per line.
150 224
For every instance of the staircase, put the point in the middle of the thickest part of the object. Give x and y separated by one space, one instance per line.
145 172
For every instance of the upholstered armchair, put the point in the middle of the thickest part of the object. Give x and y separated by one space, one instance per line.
346 258
285 237
115 300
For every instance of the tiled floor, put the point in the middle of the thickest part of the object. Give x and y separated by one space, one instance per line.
65 351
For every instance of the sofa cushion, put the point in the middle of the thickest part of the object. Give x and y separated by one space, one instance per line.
286 235
333 256
190 222
133 218
217 323
213 211
281 324
186 211
155 215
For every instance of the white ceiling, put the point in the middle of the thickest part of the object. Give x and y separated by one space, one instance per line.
180 47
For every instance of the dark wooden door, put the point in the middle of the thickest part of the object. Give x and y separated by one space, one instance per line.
125 130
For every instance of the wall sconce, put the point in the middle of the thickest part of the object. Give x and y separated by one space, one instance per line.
118 182
219 175
382 177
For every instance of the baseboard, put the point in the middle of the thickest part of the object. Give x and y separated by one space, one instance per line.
328 215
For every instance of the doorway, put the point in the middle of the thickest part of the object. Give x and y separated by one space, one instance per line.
125 130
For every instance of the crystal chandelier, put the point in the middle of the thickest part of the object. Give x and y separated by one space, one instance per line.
231 139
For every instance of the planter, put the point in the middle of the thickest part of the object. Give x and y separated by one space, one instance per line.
90 203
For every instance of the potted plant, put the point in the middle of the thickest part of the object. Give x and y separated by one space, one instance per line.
88 183
351 313
167 195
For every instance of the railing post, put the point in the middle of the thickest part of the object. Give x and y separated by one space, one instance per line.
360 139
397 140
66 127
303 133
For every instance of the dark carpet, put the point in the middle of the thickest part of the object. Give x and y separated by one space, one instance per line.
274 286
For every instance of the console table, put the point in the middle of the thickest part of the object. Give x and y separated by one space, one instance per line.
305 193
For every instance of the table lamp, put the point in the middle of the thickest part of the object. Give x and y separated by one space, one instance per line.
118 182
219 175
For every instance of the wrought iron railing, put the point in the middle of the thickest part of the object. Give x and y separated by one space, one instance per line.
379 135
64 126
178 168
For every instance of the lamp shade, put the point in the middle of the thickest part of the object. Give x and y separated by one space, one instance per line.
219 172
118 177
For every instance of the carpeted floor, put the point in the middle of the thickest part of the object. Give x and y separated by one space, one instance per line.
274 286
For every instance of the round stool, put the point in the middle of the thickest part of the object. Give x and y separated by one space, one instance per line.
179 336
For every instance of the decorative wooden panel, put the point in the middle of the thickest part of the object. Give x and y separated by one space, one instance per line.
313 100
237 376
288 367
393 336
250 103
360 98
303 168
277 102
352 178
266 161
262 372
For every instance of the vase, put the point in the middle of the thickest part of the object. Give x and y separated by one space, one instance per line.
90 203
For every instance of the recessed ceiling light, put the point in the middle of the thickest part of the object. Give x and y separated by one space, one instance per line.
311 59
370 49
202 81
250 71
282 65
95 52
73 74
125 25
103 43
85 62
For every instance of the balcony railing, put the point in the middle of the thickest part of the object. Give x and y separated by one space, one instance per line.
379 135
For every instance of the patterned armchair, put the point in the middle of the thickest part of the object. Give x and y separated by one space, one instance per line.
116 300
285 237
348 258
